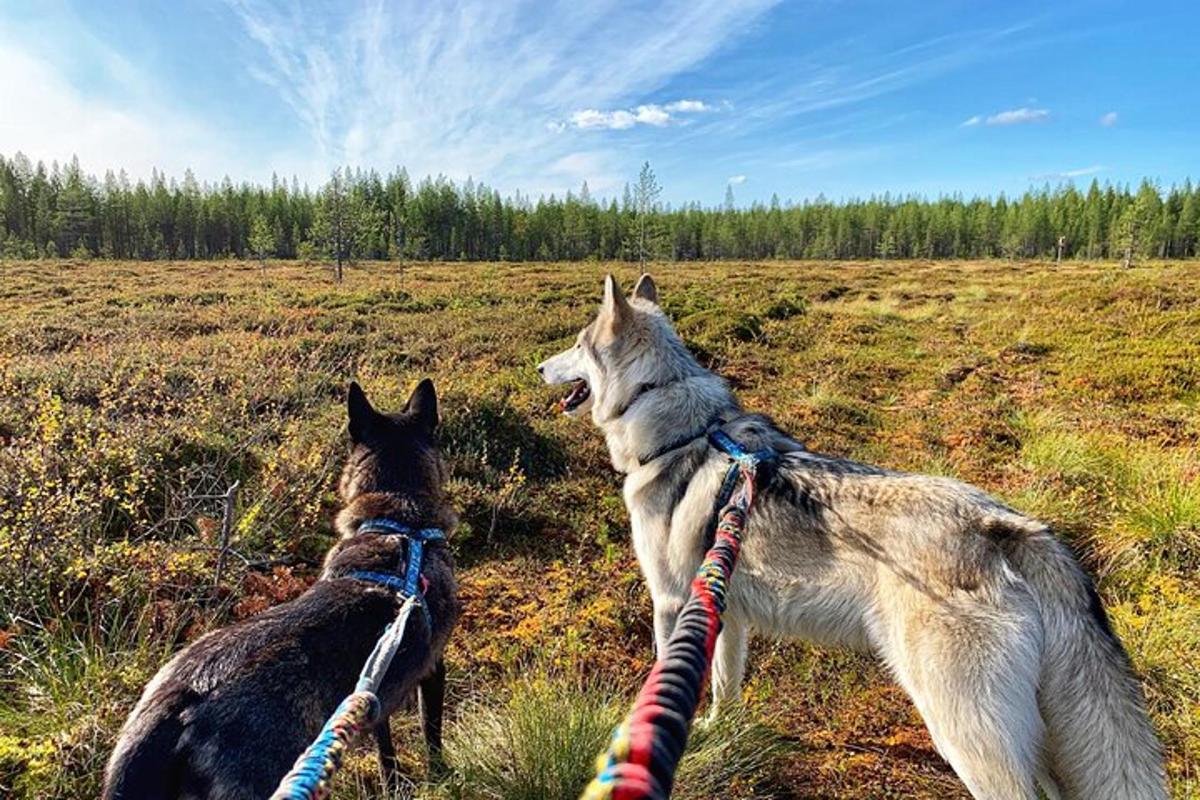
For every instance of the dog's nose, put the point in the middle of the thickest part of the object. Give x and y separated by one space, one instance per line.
541 369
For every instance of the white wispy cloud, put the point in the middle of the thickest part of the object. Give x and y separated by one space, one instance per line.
846 74
688 106
1018 116
1109 119
737 180
481 88
1015 116
831 157
622 119
1070 173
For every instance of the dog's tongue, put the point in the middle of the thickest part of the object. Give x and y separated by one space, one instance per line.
574 397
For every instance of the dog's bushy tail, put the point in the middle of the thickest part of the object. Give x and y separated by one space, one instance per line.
1100 740
144 763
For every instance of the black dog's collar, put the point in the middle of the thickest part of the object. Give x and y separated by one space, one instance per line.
684 441
637 395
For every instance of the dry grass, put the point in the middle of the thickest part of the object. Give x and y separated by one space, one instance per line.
128 389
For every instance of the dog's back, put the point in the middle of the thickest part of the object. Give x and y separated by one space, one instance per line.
161 752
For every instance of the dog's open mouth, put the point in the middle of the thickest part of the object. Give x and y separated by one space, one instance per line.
580 392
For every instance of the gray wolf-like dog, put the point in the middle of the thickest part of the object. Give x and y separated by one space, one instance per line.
228 716
981 614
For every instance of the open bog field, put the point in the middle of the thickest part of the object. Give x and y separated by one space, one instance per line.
131 394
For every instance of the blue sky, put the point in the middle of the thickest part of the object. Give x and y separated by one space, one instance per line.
792 98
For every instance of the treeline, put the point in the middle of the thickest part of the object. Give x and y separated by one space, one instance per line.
60 211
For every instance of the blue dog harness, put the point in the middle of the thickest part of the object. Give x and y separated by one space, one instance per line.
743 459
410 584
744 462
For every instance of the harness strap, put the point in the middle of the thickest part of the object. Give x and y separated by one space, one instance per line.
410 584
744 457
385 579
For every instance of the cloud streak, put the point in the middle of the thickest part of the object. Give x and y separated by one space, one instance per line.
837 76
1015 116
1067 175
1109 119
651 114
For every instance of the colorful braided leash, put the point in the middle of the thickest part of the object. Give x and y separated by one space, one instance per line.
312 776
645 749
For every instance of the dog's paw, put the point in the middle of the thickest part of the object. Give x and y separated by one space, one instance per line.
710 719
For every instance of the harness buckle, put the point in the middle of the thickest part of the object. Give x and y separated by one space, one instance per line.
744 465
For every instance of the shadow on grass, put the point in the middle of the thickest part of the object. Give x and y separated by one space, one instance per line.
501 466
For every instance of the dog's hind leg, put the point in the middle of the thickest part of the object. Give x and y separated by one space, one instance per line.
971 663
433 698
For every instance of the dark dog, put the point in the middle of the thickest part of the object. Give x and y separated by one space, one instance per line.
229 715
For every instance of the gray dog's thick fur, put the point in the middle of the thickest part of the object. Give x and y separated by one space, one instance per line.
227 717
980 613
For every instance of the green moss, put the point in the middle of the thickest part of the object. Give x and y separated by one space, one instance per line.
720 327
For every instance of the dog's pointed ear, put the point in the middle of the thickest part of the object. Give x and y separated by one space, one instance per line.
645 288
362 415
423 404
615 306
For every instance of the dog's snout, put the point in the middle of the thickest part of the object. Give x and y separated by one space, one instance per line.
541 369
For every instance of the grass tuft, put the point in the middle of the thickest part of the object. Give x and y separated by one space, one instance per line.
1076 458
63 696
729 757
538 739
1157 528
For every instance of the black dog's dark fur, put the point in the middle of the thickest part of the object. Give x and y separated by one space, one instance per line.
229 715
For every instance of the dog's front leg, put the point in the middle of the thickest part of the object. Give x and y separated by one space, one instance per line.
729 665
665 613
433 696
387 755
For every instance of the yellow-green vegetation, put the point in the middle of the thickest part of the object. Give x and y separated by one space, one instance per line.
133 393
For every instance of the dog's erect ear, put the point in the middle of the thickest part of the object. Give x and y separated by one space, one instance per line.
645 288
423 404
615 306
362 416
